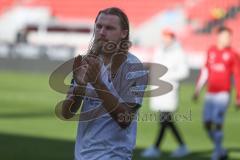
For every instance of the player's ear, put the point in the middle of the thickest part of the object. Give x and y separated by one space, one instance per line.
124 34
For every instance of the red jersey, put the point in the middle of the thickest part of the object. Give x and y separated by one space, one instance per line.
237 76
219 67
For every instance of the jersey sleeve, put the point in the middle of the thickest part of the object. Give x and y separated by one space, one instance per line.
236 73
134 83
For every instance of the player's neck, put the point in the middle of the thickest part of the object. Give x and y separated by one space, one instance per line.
114 62
106 59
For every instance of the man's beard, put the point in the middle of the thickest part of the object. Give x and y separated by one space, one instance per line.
103 46
96 47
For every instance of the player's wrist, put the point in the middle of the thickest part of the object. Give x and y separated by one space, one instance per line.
79 90
99 84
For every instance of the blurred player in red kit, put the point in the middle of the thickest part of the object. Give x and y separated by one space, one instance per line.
221 63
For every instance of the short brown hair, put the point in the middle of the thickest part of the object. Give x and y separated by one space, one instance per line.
223 29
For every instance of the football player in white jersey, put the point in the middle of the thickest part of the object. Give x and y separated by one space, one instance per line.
106 88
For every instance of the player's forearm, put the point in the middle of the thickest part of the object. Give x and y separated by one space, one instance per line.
113 106
71 104
201 80
70 107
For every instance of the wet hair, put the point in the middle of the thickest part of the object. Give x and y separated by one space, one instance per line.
224 29
124 22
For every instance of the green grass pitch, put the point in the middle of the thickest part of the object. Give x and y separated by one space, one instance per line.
30 130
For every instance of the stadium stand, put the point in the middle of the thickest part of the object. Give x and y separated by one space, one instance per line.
204 17
202 9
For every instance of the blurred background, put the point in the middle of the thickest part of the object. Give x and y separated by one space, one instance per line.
36 36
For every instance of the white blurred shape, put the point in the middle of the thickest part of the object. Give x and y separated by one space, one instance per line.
18 17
